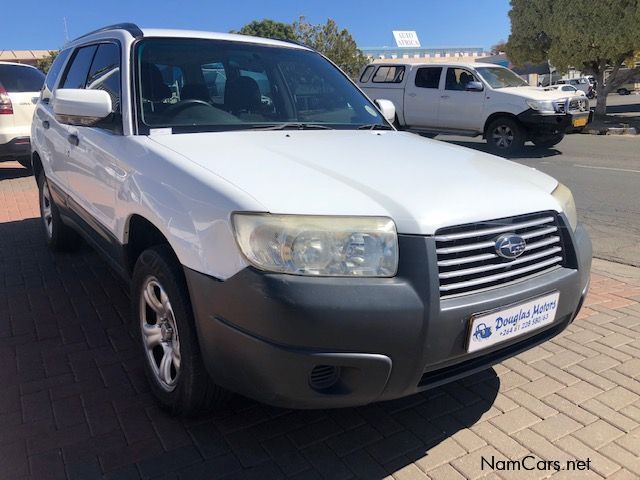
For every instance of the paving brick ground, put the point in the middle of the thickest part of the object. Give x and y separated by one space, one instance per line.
74 402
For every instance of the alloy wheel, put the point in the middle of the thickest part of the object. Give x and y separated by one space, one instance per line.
47 209
502 136
160 334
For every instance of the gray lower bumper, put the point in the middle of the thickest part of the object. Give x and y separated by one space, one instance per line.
263 334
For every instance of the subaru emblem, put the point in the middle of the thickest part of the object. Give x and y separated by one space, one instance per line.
510 246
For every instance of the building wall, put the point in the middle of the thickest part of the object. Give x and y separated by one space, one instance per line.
423 55
29 57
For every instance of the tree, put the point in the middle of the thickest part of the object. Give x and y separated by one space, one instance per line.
595 40
269 29
44 63
338 45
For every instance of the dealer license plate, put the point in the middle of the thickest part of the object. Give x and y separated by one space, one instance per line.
579 122
488 329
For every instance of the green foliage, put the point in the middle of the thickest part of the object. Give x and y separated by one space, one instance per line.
269 29
338 45
594 37
44 64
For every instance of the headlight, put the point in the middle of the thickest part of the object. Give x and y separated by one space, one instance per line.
542 106
319 245
564 196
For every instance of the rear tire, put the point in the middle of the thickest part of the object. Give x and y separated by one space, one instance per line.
623 91
547 141
166 329
505 136
59 237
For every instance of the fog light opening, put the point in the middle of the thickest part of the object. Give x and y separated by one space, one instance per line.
323 377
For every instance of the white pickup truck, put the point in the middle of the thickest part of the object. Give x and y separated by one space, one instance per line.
474 99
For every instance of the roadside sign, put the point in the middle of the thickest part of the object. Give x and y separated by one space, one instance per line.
406 39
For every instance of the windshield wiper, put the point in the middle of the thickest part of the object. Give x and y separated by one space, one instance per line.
374 126
293 126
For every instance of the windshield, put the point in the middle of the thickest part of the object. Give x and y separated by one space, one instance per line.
196 85
498 77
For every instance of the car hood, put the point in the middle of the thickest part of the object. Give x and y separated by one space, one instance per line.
422 184
534 93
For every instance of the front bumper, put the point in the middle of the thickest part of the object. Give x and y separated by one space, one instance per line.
18 147
549 124
263 334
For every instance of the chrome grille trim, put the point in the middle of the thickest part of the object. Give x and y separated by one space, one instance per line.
468 262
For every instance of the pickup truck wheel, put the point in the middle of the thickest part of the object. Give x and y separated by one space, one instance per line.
547 141
164 319
504 136
59 237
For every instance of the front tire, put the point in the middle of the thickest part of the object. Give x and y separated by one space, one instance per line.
623 91
505 136
547 141
166 328
59 237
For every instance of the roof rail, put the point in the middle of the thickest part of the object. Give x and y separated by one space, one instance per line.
132 28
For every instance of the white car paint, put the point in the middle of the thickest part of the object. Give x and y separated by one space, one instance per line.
188 185
18 124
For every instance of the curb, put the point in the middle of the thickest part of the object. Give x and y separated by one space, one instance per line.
611 131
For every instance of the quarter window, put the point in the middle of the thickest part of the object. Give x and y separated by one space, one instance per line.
76 76
428 77
389 74
366 75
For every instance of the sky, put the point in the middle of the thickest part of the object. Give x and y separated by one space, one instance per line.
451 23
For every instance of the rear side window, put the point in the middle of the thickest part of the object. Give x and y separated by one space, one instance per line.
54 73
428 77
389 74
366 75
19 78
76 75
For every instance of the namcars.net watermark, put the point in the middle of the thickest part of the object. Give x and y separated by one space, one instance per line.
531 462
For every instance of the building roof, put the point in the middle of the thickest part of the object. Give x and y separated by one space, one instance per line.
21 56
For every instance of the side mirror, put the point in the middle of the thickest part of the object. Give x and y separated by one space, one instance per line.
474 87
81 107
387 108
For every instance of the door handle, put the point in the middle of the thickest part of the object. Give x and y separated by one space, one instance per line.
444 96
73 139
45 124
412 94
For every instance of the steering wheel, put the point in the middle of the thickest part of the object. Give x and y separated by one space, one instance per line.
184 104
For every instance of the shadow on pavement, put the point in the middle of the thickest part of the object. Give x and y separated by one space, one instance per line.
8 172
74 393
528 151
629 108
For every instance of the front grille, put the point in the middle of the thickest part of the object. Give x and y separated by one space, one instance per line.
560 106
467 258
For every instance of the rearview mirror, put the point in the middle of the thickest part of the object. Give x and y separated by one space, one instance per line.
387 108
474 87
81 107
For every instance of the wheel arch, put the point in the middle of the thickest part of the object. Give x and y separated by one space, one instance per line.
495 116
141 234
36 164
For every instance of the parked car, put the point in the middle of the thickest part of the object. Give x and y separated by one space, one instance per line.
582 83
474 99
19 89
628 88
297 250
566 88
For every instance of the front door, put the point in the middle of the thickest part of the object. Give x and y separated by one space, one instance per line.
460 109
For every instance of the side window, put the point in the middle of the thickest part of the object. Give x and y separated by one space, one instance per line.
53 74
458 78
428 77
215 78
104 74
389 74
366 75
76 75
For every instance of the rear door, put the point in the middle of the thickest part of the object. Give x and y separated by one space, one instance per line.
422 97
21 84
460 109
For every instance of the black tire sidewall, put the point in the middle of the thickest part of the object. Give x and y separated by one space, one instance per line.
518 135
192 379
547 141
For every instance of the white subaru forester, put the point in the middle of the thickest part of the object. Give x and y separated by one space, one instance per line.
282 240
